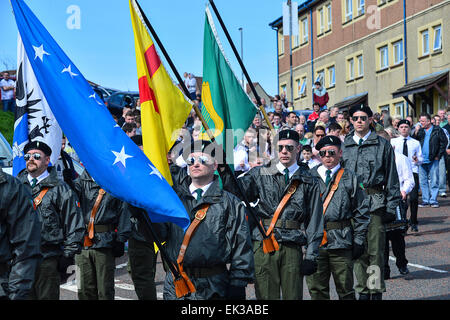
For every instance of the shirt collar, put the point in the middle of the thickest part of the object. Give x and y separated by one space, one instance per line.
356 138
44 175
192 189
322 170
291 169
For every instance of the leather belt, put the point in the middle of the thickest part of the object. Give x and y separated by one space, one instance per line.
284 224
98 228
332 225
195 272
373 191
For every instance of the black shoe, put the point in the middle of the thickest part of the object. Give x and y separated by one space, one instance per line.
364 296
403 270
387 275
414 228
376 296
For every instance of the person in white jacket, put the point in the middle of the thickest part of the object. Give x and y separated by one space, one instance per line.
396 231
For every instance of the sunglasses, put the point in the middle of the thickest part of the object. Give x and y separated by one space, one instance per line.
201 159
36 156
363 118
323 153
288 147
320 135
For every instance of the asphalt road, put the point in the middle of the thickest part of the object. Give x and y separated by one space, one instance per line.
427 251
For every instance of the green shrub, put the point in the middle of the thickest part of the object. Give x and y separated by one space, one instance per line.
7 125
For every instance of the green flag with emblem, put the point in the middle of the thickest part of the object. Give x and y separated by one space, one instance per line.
225 105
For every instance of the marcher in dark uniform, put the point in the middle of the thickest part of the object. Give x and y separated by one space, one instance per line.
62 220
300 222
372 159
221 238
20 239
108 227
346 220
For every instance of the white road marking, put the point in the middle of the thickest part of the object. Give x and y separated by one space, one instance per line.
124 286
421 267
120 266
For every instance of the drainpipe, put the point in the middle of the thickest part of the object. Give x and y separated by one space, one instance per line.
278 61
311 39
405 51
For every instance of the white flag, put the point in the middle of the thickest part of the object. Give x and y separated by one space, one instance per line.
34 118
294 10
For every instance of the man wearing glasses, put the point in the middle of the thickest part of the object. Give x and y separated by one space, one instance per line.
346 219
300 222
222 237
62 220
372 159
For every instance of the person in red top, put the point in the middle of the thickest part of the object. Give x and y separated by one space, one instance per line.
315 115
320 94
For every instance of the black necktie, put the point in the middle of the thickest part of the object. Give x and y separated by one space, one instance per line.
286 175
405 147
328 177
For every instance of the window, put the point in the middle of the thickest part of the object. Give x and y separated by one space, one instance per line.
348 10
437 38
384 59
329 16
283 88
302 88
320 77
305 30
295 41
331 76
425 43
351 69
361 6
399 110
298 82
398 52
384 107
360 65
321 21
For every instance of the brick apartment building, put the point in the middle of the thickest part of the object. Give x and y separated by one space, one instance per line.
388 54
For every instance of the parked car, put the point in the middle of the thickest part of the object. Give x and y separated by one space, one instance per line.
6 155
118 100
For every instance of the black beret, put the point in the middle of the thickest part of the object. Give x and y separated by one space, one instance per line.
362 108
38 145
288 134
203 146
404 121
328 141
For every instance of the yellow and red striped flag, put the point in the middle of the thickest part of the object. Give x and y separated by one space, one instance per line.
164 108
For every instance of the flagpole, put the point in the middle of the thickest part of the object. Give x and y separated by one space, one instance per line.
205 125
250 83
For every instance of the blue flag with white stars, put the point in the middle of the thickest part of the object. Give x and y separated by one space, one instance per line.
110 156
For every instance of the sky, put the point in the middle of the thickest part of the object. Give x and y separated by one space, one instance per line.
101 44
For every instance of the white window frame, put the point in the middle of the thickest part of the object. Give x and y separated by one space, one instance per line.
422 34
351 68
435 28
303 87
397 51
296 40
348 10
398 105
360 60
305 30
321 20
329 13
361 7
384 57
321 77
331 76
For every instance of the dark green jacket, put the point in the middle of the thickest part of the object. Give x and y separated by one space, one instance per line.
222 238
20 239
265 185
111 212
349 203
60 214
374 164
